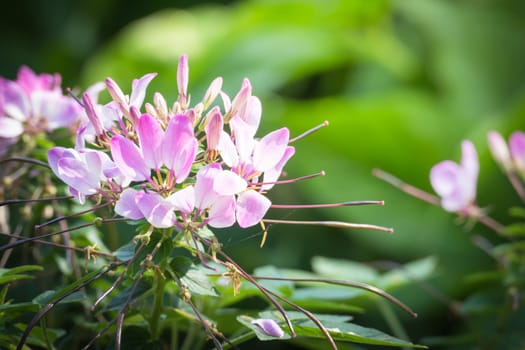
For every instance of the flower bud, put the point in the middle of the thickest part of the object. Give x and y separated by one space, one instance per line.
213 129
517 151
500 151
160 105
116 93
92 114
269 327
182 78
213 91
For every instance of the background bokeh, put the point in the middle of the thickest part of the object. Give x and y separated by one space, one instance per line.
400 82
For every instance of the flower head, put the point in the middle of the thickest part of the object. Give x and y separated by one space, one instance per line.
175 167
35 103
456 183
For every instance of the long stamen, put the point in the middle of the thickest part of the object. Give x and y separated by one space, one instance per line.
75 97
327 205
297 179
338 224
308 132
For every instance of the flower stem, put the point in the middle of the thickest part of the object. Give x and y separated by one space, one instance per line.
392 320
157 307
403 186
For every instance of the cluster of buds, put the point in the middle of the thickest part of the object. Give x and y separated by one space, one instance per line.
179 166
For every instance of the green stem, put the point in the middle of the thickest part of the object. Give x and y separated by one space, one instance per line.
190 336
174 336
157 308
49 346
392 320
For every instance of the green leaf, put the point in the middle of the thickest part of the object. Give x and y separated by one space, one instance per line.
284 288
338 326
18 307
48 296
344 269
69 288
18 269
247 321
192 276
126 296
517 229
11 278
327 293
518 212
126 252
412 271
13 274
38 335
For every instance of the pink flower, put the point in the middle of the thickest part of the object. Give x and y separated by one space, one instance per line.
34 103
214 209
82 170
456 183
175 148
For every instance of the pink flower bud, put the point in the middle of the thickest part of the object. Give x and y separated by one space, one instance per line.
182 77
269 327
240 100
214 129
160 105
92 114
500 151
115 91
212 92
517 150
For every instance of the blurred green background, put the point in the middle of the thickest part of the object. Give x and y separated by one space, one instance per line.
401 83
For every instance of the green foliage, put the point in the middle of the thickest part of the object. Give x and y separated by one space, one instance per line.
401 83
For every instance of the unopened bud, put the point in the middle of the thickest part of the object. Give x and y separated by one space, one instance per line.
213 130
115 91
160 105
213 91
517 151
151 110
500 151
92 114
182 78
269 327
240 99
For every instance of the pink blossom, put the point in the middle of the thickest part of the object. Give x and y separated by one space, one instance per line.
175 148
216 210
34 103
456 183
82 170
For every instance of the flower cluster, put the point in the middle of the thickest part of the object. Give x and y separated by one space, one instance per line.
34 103
178 166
